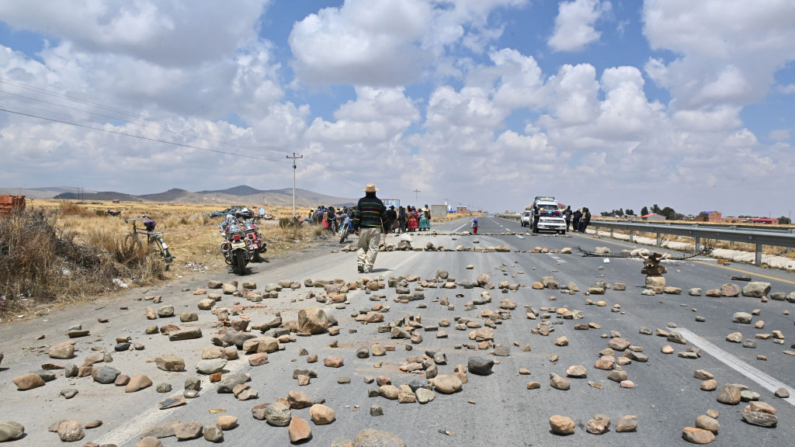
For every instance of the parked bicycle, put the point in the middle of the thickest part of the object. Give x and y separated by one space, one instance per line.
133 241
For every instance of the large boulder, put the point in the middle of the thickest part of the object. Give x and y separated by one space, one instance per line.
377 438
170 363
261 344
561 425
10 431
64 350
756 289
278 414
312 320
480 365
730 290
446 384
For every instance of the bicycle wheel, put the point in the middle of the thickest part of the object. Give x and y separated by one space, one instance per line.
129 247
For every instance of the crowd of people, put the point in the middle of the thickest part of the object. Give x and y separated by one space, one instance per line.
369 219
402 220
577 220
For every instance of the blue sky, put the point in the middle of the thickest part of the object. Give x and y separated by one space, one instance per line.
605 104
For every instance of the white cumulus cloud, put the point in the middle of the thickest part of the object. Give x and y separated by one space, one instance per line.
574 25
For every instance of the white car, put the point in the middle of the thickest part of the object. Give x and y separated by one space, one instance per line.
527 219
550 217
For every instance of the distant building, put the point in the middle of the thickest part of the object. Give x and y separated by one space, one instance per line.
762 220
709 216
462 210
653 217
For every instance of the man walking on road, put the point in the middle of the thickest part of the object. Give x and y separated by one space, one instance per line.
367 223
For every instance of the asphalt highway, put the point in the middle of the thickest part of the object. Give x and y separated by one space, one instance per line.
490 410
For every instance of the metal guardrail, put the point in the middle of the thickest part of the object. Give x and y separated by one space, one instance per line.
756 236
759 236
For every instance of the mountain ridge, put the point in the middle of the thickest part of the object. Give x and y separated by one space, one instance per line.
241 194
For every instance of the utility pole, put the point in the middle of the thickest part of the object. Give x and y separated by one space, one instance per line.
293 158
416 200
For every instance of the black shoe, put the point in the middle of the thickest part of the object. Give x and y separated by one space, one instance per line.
361 268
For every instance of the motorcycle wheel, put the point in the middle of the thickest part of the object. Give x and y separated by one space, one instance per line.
257 257
240 261
343 235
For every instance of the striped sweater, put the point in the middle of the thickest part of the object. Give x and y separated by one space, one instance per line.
369 212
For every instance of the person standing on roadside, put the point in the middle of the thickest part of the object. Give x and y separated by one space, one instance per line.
567 215
586 220
575 220
475 226
367 224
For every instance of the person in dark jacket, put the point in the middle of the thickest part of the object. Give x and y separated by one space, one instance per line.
368 223
575 220
585 220
567 216
403 219
391 219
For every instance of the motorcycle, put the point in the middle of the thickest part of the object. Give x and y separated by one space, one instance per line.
236 246
346 229
256 244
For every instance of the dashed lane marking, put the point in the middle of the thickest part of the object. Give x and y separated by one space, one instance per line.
765 380
132 429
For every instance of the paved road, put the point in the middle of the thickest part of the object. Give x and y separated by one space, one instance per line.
666 398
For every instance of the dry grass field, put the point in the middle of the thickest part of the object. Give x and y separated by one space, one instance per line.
61 251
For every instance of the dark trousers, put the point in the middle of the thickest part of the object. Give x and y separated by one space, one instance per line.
575 225
583 226
568 224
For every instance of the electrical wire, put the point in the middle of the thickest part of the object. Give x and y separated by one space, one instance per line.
30 115
116 110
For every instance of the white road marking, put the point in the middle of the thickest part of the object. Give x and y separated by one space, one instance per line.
520 237
462 226
765 380
132 429
555 257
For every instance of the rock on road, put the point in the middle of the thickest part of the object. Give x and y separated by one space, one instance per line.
511 402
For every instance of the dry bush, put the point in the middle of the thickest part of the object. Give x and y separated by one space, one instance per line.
41 260
68 208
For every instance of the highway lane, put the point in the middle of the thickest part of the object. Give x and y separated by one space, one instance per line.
666 398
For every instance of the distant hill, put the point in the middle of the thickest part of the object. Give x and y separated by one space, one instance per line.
242 190
101 195
40 193
243 195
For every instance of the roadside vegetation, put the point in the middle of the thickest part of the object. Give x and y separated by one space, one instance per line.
60 251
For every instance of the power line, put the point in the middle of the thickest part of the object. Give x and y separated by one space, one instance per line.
151 126
116 110
138 136
325 166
